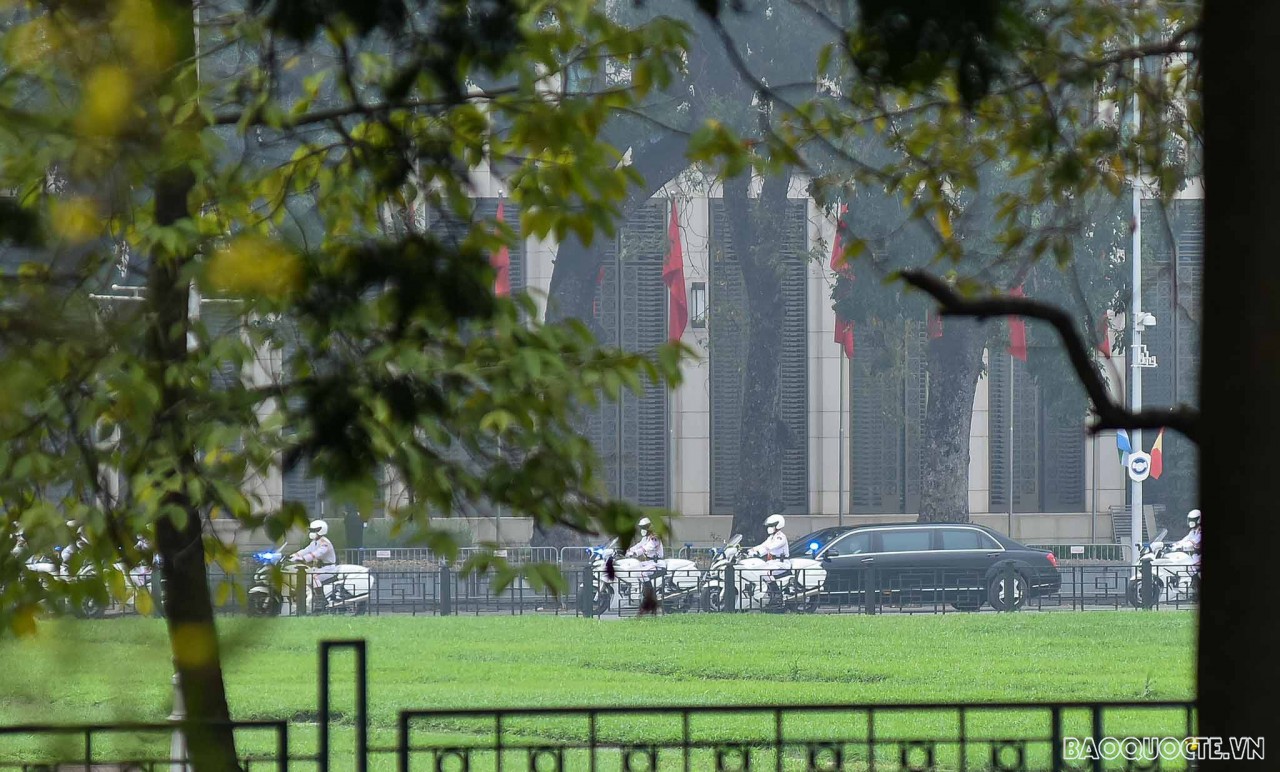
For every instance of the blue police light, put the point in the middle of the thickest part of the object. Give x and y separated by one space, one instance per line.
813 546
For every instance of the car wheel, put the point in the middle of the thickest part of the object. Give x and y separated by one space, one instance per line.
998 595
264 605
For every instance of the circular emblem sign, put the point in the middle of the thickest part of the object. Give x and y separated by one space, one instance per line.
1139 466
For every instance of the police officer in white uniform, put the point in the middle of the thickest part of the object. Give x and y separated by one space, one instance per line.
319 553
775 545
648 550
1191 542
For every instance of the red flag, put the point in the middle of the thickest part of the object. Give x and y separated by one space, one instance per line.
844 327
844 335
1105 345
673 277
935 325
1157 456
501 262
1017 331
838 262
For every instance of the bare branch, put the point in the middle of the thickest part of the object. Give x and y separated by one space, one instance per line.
1183 419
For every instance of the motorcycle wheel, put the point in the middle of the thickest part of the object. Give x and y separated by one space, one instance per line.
90 608
1133 593
602 600
773 600
805 605
996 592
261 605
594 604
713 599
681 605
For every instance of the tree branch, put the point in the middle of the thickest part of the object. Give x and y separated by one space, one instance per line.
1183 419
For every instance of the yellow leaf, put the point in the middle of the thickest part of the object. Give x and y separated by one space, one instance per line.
194 644
253 266
28 44
24 621
148 41
944 222
105 101
74 220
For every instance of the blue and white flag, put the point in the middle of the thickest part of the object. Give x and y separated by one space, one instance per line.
1122 445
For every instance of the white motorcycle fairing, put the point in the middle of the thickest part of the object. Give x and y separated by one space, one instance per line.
1175 575
676 580
350 588
136 579
795 578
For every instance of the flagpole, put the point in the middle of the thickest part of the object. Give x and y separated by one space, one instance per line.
497 515
1010 453
1093 508
843 361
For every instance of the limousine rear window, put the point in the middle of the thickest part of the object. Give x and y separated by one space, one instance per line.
905 541
966 539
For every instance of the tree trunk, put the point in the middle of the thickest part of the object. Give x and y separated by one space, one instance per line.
758 241
188 609
1240 364
953 363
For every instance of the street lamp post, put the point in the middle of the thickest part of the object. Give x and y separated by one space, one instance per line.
1138 319
1135 365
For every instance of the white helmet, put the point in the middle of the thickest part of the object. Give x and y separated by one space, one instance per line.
644 526
318 528
774 523
1193 518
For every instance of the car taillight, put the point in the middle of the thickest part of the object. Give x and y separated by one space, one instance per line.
1053 561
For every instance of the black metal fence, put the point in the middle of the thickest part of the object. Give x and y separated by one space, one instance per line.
1008 736
446 591
443 589
929 736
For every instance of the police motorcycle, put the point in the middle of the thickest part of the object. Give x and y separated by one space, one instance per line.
1175 575
613 576
92 605
711 589
275 586
793 584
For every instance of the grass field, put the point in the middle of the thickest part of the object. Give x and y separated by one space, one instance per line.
113 670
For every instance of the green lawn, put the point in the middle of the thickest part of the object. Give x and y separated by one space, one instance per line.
112 670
